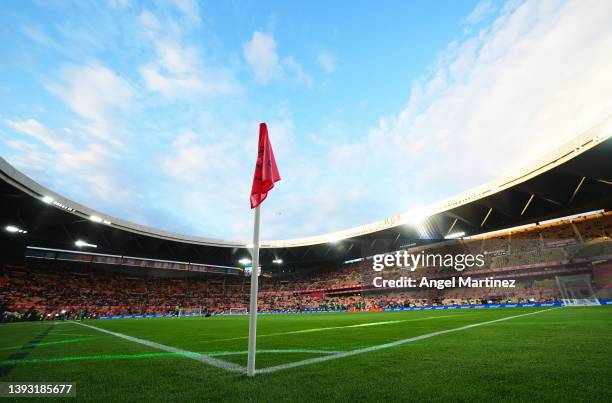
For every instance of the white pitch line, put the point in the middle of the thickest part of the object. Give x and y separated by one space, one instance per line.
382 323
72 334
281 351
228 366
386 345
322 329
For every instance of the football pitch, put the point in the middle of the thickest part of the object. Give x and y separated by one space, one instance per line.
509 354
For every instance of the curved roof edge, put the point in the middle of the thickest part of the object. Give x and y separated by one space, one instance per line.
578 145
566 152
36 190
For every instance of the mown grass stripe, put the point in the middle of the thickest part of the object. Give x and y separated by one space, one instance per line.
48 343
98 357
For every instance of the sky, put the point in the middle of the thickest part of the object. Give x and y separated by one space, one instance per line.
149 110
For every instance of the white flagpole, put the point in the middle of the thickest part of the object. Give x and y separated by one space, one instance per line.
253 306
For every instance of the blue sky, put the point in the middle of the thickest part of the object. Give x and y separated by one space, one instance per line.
149 111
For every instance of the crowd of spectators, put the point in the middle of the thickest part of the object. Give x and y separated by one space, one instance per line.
49 290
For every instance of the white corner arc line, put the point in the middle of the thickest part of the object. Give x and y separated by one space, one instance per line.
228 366
387 345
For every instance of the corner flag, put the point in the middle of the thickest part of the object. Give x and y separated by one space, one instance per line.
266 174
266 171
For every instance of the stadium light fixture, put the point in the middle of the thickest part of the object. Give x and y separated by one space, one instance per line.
15 230
278 261
97 219
244 261
455 235
82 244
51 200
249 246
352 261
417 220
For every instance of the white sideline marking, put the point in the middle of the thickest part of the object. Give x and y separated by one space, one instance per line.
228 366
383 323
386 345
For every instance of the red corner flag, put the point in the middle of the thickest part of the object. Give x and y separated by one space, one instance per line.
266 171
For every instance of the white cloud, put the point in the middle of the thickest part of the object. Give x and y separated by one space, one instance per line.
193 161
267 66
40 132
178 73
530 79
483 9
149 22
66 154
38 35
213 176
327 61
190 10
121 4
206 175
98 95
296 73
537 77
88 151
260 54
179 70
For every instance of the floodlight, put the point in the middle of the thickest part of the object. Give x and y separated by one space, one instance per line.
244 261
13 229
95 218
352 260
415 217
277 261
455 235
418 220
79 243
47 199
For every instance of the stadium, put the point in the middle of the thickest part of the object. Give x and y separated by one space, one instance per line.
429 216
159 310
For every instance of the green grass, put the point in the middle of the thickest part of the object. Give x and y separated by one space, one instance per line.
559 355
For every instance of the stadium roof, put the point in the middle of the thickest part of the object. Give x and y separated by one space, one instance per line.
574 178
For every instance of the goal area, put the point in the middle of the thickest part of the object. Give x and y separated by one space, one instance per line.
192 311
576 290
238 311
